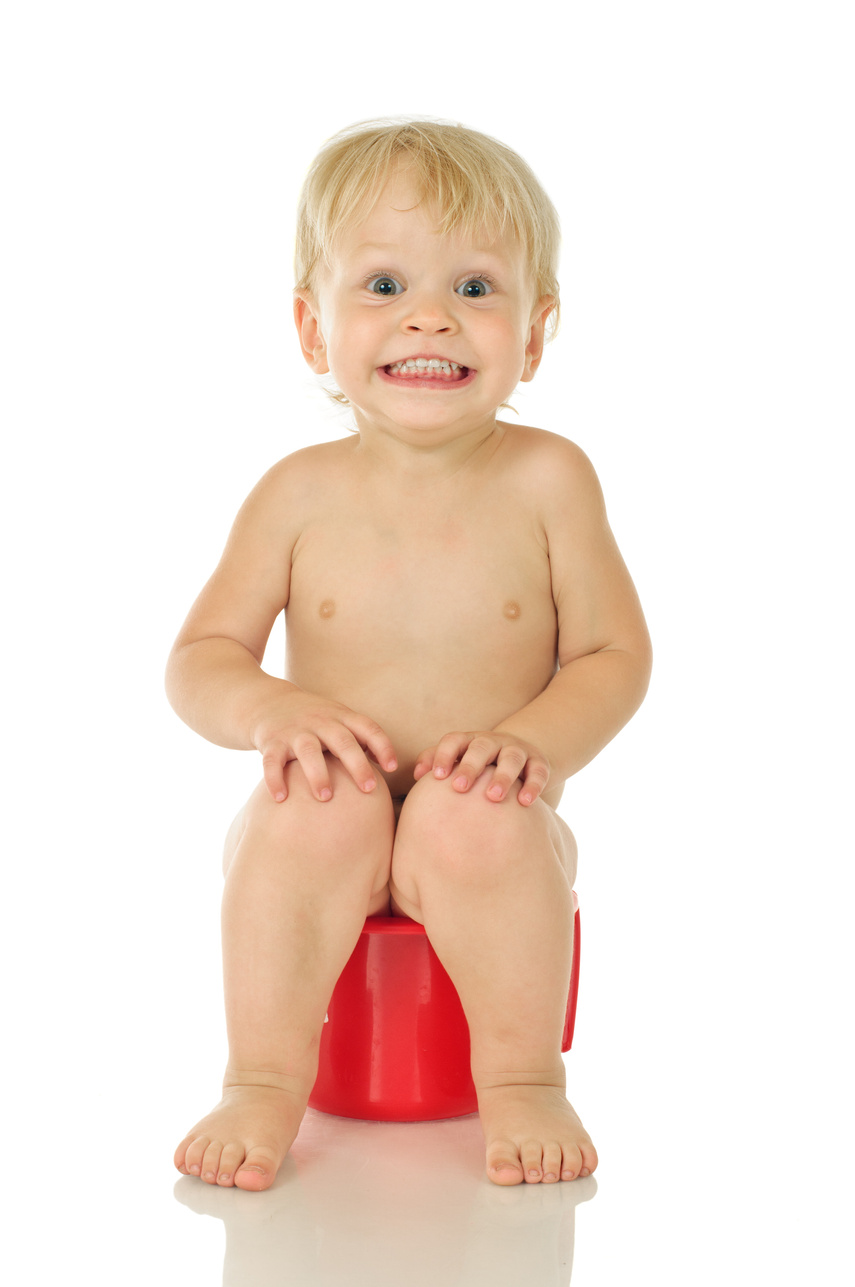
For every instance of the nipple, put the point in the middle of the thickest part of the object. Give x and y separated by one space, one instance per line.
327 608
512 610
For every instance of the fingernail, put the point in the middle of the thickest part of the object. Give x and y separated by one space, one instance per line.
393 764
369 785
526 799
326 794
439 772
460 782
280 796
495 793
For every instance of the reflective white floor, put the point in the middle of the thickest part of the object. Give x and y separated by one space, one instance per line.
388 1203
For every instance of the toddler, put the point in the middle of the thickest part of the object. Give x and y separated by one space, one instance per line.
462 637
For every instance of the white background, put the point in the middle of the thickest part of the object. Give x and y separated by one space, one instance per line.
700 156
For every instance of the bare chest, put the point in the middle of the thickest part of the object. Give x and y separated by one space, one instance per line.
423 581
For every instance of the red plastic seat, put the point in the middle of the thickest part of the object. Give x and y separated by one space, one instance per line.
396 1047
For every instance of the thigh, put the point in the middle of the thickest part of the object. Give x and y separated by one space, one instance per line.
563 841
233 836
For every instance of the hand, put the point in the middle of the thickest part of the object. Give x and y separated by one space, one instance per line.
301 726
513 758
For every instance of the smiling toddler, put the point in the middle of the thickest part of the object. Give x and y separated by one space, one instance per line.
462 637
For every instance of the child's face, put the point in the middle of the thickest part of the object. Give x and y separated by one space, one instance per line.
398 290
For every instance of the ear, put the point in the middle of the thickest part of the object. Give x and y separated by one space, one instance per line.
537 335
307 319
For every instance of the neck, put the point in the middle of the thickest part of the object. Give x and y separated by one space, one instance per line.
423 458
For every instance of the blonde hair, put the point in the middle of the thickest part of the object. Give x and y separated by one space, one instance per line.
472 180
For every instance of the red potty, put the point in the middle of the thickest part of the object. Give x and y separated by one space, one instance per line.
396 1047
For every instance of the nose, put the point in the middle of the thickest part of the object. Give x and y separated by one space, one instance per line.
430 313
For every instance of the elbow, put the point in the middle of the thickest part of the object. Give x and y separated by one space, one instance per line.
645 667
642 655
177 676
173 678
637 668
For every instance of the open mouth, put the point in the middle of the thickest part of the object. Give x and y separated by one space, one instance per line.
424 372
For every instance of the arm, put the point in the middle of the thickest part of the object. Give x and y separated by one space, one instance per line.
604 653
581 709
214 679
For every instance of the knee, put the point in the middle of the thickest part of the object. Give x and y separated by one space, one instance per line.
339 825
466 830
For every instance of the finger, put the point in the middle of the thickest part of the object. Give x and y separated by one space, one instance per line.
447 750
534 778
482 751
273 765
424 763
347 750
509 765
309 753
375 739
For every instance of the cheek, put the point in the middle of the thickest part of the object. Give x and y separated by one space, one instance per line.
508 345
504 332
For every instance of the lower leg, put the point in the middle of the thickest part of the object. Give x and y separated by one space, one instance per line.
491 882
289 924
507 943
295 900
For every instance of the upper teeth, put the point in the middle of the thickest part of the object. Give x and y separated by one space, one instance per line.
432 364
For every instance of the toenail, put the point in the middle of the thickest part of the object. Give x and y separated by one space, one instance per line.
568 1175
194 1169
549 1176
534 1172
584 1171
209 1175
224 1178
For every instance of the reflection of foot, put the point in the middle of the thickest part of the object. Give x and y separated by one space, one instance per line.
244 1139
533 1135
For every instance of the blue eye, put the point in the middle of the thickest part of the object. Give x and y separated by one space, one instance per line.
384 285
475 288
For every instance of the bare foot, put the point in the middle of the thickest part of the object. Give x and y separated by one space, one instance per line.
533 1135
244 1140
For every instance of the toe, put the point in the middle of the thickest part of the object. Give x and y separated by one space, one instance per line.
590 1161
531 1156
232 1156
551 1163
211 1161
258 1171
195 1153
180 1154
503 1163
572 1162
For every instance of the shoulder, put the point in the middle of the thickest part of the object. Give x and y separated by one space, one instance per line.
558 472
289 488
303 465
